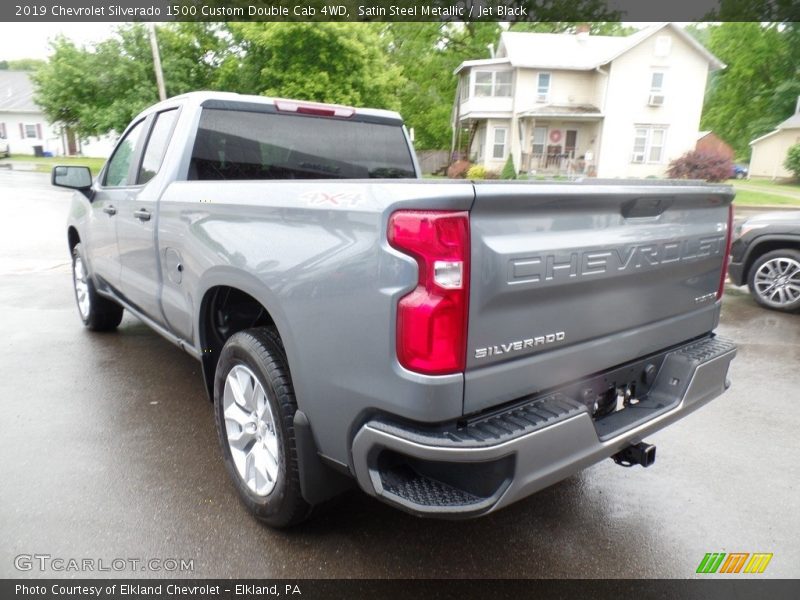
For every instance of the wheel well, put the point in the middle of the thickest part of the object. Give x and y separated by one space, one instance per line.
224 311
73 239
767 246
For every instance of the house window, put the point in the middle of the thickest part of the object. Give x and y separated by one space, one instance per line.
493 83
499 144
502 83
543 87
30 131
663 46
539 140
656 82
648 144
656 97
464 88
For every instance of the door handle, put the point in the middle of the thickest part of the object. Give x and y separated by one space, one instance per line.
142 214
110 210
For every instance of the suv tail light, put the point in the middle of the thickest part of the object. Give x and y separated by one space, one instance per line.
727 255
432 318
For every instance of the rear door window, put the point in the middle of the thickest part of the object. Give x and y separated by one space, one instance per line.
157 145
234 144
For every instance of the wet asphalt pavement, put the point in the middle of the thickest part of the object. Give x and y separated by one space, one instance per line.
109 451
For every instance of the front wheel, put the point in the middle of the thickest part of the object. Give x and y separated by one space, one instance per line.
96 312
254 406
774 280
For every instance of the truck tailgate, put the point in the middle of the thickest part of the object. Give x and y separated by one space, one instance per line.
571 279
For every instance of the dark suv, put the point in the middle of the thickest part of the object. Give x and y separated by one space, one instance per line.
766 256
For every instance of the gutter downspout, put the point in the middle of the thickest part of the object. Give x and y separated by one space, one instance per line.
602 127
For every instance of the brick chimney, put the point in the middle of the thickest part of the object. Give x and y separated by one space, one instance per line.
582 31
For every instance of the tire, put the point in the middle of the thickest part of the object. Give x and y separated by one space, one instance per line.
96 312
739 175
255 430
774 280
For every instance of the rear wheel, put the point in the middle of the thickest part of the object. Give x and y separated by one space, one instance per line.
96 312
774 280
254 406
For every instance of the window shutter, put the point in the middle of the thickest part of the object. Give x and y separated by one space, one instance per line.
22 131
39 131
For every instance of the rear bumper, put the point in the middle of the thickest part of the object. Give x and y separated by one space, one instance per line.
736 273
469 469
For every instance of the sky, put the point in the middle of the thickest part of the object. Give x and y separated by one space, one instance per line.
30 40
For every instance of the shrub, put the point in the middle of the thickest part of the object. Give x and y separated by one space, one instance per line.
509 172
701 165
476 172
792 161
458 170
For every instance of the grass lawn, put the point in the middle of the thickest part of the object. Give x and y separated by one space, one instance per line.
767 184
45 165
750 198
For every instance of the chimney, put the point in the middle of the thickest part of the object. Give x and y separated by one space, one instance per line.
491 50
797 106
582 31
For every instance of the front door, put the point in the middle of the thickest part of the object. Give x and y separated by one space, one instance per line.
571 143
136 224
111 189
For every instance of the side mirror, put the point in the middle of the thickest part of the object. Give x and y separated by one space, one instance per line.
74 178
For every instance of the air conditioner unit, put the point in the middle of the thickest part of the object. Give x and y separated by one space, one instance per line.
638 157
656 100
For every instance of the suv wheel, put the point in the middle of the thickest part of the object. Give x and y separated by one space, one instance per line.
96 312
774 280
254 406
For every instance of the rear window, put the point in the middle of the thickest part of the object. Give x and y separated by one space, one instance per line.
251 145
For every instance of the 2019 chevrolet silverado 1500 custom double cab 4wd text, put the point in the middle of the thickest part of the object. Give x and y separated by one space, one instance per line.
450 346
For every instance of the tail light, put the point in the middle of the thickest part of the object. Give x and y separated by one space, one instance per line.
432 319
727 255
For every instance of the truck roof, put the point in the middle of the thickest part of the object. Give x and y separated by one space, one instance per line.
201 97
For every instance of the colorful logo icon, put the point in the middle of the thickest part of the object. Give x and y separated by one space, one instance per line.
735 562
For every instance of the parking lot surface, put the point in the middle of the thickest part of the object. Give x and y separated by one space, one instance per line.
109 451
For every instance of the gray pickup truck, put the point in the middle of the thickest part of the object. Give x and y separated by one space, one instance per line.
451 346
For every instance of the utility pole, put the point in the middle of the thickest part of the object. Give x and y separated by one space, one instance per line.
162 92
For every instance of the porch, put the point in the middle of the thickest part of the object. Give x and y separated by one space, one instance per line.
558 146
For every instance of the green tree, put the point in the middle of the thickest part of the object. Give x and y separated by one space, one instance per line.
428 53
792 161
97 89
328 62
754 92
509 172
612 28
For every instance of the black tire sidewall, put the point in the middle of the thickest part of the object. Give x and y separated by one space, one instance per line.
276 507
751 274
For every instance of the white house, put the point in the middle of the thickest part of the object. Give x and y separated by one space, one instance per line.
24 129
578 103
770 151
